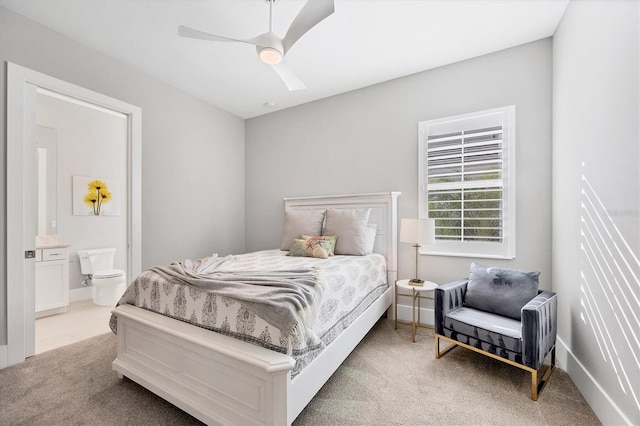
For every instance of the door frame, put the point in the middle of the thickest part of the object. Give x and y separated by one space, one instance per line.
22 85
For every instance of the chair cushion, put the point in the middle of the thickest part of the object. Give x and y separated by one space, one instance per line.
494 329
499 290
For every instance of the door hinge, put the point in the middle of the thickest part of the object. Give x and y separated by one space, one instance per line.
29 254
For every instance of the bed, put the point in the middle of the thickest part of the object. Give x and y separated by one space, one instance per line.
222 379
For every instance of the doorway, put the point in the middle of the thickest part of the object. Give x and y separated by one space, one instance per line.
23 85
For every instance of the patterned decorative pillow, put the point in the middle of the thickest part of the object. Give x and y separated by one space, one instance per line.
332 239
311 247
499 290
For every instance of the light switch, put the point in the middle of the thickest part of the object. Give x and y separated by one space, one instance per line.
54 224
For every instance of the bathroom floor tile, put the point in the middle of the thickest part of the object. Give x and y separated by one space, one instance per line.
82 320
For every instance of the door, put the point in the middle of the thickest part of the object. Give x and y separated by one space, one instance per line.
22 86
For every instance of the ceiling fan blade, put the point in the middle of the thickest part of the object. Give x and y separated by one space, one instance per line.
311 14
287 75
193 33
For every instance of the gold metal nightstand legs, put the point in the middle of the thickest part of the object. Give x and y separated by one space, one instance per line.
413 314
415 295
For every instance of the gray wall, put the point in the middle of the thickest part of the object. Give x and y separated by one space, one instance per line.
192 152
367 141
596 202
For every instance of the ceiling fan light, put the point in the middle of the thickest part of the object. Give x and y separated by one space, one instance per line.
270 56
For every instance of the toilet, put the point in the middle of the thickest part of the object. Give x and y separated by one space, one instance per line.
108 283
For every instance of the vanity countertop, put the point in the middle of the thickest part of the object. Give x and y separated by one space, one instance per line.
49 242
52 245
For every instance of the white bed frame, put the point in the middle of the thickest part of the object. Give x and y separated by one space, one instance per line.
222 380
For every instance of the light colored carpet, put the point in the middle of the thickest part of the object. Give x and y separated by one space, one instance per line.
387 380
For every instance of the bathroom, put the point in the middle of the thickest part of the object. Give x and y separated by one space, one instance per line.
77 143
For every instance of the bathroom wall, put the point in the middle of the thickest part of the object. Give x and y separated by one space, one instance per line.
92 142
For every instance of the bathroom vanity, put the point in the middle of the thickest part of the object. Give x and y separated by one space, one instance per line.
52 279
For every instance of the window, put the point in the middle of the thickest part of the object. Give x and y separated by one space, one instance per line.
467 183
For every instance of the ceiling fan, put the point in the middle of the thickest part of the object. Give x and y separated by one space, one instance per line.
271 48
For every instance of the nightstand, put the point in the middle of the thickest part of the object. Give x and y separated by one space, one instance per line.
416 295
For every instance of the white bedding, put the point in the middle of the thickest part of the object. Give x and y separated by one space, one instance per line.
349 284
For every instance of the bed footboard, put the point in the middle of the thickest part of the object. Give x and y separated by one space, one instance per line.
213 377
221 380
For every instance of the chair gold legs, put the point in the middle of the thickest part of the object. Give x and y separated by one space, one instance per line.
440 353
536 388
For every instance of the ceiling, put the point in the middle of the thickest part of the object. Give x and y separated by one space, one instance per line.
363 42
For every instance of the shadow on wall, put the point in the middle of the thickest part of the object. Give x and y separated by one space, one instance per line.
609 302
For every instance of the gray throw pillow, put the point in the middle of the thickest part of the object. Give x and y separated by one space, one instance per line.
298 222
499 290
350 225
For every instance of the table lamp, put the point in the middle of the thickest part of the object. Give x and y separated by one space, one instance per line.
416 232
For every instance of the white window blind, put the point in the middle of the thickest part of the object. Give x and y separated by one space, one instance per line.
467 169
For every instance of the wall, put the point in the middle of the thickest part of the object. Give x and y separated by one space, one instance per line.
596 203
192 152
367 141
91 142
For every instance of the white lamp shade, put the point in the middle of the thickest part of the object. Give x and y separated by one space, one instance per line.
417 231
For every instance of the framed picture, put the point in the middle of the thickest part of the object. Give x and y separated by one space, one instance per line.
96 196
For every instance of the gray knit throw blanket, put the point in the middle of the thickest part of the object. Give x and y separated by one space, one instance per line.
285 299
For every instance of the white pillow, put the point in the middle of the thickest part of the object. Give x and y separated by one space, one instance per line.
298 222
350 225
370 240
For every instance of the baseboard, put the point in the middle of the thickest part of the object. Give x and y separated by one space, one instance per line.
604 407
3 356
82 293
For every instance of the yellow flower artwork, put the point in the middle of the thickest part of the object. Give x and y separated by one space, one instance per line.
96 196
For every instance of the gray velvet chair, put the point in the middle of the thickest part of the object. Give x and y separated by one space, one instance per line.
498 319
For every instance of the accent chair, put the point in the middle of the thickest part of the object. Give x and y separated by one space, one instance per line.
499 313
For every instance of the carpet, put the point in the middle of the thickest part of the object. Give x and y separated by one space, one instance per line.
387 380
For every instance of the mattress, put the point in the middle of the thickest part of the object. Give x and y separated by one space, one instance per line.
349 284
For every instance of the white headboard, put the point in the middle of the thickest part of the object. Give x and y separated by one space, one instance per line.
383 207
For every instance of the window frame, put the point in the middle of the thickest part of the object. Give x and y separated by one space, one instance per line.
498 250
